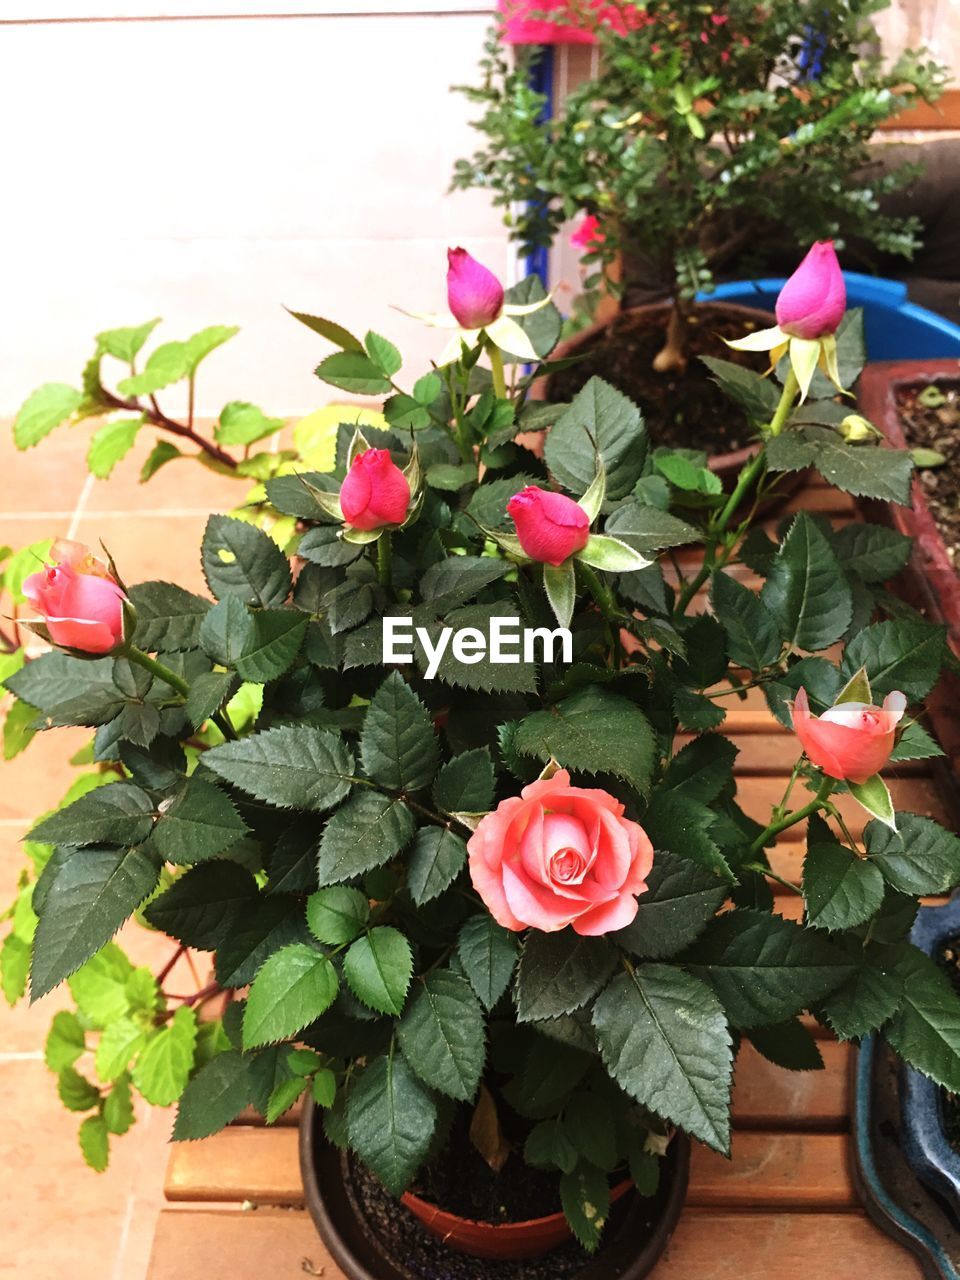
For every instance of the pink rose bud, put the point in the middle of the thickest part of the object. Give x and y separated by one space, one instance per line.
375 492
813 300
474 294
551 527
78 600
852 740
559 855
587 235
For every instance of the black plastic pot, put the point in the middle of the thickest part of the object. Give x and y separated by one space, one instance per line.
637 1236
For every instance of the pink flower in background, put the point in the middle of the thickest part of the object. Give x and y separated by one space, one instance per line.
561 23
813 300
375 492
474 294
559 855
551 527
80 603
587 234
852 740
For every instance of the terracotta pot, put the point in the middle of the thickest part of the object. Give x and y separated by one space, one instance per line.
498 1239
726 465
930 582
633 1243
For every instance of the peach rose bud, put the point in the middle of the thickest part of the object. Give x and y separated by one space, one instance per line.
78 600
852 740
474 294
375 492
559 855
551 527
813 300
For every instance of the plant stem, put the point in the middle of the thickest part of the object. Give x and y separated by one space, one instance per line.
791 819
787 396
154 414
771 875
219 718
384 558
602 594
496 368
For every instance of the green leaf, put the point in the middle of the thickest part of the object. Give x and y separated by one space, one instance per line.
242 423
648 529
915 744
18 730
273 645
870 997
42 411
488 953
200 907
120 1041
76 1092
163 1068
789 1045
241 560
94 892
442 1035
840 890
208 692
465 784
293 988
337 915
560 585
199 824
168 618
664 1039
383 354
436 859
611 555
752 391
355 372
391 1118
926 1030
806 592
290 766
874 795
100 986
753 637
330 330
201 344
366 832
283 1097
600 419
95 1143
125 344
903 656
872 551
165 365
921 857
542 326
295 496
585 1197
161 453
593 731
378 968
118 1107
764 968
65 1041
14 967
118 813
547 1147
262 927
702 769
68 690
589 1124
324 1087
398 745
560 972
681 897
867 472
110 443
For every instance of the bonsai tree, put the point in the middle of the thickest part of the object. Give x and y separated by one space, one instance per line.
410 783
707 129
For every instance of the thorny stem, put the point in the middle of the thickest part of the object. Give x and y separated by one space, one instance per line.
791 819
154 414
384 558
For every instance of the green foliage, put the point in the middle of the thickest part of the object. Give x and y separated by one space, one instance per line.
398 748
805 591
559 973
442 1035
378 968
599 420
390 1120
295 986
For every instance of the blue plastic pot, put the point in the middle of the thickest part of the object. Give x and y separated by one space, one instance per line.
895 328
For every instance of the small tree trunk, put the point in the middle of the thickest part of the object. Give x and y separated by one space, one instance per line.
674 355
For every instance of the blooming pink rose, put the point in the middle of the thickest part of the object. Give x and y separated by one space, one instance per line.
558 855
587 235
79 601
813 300
852 740
375 492
474 294
550 526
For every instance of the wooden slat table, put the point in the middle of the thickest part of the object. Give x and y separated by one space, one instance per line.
784 1207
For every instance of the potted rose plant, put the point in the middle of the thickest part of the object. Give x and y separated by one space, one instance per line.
706 132
416 794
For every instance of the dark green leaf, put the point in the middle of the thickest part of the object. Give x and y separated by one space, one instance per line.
560 972
903 656
436 859
291 766
442 1035
119 813
274 643
366 832
214 1097
753 637
241 560
585 1197
753 392
391 1118
200 907
926 1030
920 857
789 1045
681 897
870 550
840 890
199 823
703 768
168 618
398 745
68 690
599 418
806 592
647 529
488 953
465 784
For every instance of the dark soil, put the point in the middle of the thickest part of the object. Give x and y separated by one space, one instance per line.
949 961
682 410
937 426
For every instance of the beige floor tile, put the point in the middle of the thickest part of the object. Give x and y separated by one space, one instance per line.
163 546
48 477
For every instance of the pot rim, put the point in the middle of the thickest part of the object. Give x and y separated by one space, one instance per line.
519 1227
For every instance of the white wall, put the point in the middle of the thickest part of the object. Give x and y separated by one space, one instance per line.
211 169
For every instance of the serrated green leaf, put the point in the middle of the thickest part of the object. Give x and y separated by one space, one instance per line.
75 1091
163 1068
436 859
118 1107
168 618
378 968
915 744
868 998
330 330
559 973
42 411
600 419
753 637
198 824
290 766
442 1035
208 692
119 813
274 643
125 344
805 591
872 551
214 1097
241 560
465 784
752 391
366 832
681 897
65 1041
293 988
120 1041
925 1032
391 1118
244 424
99 987
355 372
283 1097
337 914
110 443
649 529
68 690
201 906
921 857
95 1143
488 953
585 1197
789 1045
903 656
840 890
398 745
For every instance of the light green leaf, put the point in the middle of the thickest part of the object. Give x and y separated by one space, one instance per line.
95 1143
560 584
874 795
243 423
293 988
110 443
355 372
121 1040
611 555
125 344
42 411
118 1107
163 1068
65 1041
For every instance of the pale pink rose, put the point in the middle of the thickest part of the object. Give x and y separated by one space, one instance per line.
852 740
550 526
559 855
375 492
813 300
78 600
587 234
474 294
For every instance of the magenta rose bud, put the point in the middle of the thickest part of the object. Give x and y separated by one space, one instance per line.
80 603
813 300
375 492
559 855
474 294
551 527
